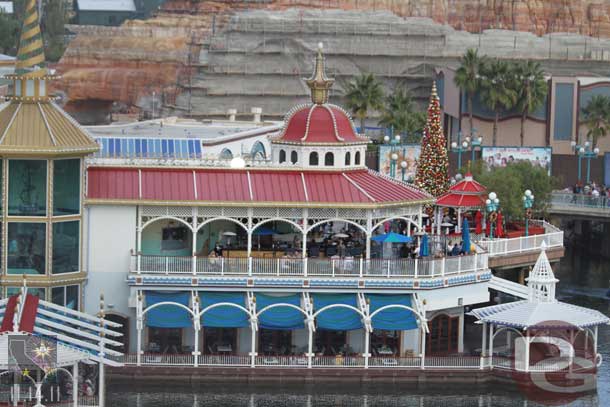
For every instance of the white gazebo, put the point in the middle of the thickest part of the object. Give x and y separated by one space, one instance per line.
541 319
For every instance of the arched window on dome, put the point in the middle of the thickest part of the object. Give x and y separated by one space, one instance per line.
357 158
226 154
348 158
282 156
294 157
329 159
258 151
313 158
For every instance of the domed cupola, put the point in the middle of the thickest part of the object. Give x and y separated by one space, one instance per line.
319 134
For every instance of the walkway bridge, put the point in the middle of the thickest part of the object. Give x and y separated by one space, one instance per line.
580 206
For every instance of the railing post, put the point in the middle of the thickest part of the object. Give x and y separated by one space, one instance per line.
139 262
361 266
166 265
305 265
367 345
476 261
194 265
250 266
222 266
388 268
416 263
332 265
443 267
277 270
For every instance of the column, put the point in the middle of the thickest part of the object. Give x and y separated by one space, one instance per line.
461 332
194 232
458 229
368 245
527 351
253 346
310 346
423 346
490 351
249 242
483 344
196 352
367 345
75 385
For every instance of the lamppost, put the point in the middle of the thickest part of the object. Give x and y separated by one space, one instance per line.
528 203
584 151
393 142
492 205
469 144
403 167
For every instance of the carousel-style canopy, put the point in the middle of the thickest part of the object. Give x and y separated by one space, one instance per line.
465 194
541 310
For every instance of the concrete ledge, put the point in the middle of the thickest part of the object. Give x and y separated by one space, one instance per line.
523 259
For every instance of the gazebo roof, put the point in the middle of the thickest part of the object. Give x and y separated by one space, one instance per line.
541 310
465 194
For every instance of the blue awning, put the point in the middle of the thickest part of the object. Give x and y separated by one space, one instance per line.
279 318
224 316
337 318
168 316
392 319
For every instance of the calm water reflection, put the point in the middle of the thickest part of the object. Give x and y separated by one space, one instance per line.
584 281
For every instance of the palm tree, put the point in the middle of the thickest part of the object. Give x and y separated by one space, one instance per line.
498 90
399 113
596 116
467 77
531 90
362 94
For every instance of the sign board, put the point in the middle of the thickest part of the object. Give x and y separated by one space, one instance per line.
503 156
408 153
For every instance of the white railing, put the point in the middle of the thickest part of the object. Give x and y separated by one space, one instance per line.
224 360
313 267
161 359
553 237
598 204
389 362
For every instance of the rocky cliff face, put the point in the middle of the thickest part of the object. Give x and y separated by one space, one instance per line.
105 65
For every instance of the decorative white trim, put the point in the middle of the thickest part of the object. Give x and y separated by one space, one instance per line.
195 185
139 183
359 187
250 186
305 187
46 123
10 123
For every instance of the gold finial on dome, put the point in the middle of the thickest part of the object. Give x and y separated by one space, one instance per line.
30 58
319 84
434 94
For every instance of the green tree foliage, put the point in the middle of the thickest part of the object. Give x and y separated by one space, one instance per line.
596 116
510 183
363 94
400 113
467 77
530 88
498 90
9 33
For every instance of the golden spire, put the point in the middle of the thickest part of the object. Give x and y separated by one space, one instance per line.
319 83
434 94
30 58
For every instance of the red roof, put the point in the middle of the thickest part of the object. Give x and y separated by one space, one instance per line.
468 185
455 200
247 186
319 124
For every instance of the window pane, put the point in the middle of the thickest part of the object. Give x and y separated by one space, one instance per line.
72 297
58 296
27 195
26 248
66 187
66 237
38 292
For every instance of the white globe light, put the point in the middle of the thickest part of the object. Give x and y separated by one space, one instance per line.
497 201
596 151
238 162
468 139
403 164
386 138
524 199
397 138
480 139
532 197
528 193
394 156
320 46
587 144
488 202
582 150
492 196
454 145
465 144
573 143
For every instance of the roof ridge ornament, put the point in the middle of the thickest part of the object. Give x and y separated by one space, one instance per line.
31 62
319 83
541 282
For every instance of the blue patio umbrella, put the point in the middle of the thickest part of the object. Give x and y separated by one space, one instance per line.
465 237
392 238
263 231
423 247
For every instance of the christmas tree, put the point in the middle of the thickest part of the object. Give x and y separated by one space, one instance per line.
433 165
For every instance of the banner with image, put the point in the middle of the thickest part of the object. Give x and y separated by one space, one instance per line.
408 153
503 156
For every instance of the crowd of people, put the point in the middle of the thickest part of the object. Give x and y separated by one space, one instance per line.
591 189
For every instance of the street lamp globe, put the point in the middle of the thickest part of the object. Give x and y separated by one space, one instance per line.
596 150
465 144
454 145
403 164
386 138
480 139
458 176
587 143
573 143
528 193
492 196
394 156
488 202
467 139
582 150
497 201
397 138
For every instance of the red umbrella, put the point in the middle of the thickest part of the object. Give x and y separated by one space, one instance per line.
478 228
499 228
